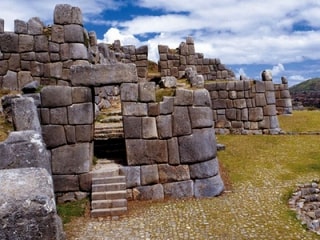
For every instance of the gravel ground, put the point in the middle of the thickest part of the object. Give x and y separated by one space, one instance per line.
246 212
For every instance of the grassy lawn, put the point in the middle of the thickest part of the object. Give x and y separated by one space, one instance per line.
301 121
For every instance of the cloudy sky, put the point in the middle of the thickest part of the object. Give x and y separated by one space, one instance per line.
247 35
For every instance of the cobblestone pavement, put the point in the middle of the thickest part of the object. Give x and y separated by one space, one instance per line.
246 212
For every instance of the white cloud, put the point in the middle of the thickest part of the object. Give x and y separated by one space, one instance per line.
276 70
295 79
115 34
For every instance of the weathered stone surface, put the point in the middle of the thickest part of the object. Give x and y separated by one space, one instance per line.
169 173
66 14
153 109
25 43
85 182
201 117
183 97
70 132
70 159
266 75
255 114
59 116
9 42
181 124
150 151
164 125
80 113
10 80
102 74
149 174
204 169
30 209
65 183
56 96
35 26
78 51
84 133
198 147
134 109
132 127
30 87
153 192
209 187
168 82
53 135
81 95
173 151
132 174
166 106
25 115
73 33
182 189
149 128
24 149
129 92
147 92
201 97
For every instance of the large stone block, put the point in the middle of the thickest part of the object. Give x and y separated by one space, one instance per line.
169 173
201 117
102 74
149 174
134 109
66 183
54 135
204 169
150 151
132 127
184 189
147 92
260 100
164 125
28 205
84 133
24 149
85 182
25 115
256 114
81 95
209 187
149 128
78 51
173 151
81 113
181 124
26 43
66 14
166 106
56 96
198 147
10 80
73 33
59 116
201 97
9 42
183 97
71 159
129 92
153 192
132 174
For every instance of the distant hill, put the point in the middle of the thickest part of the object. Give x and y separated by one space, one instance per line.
306 94
306 86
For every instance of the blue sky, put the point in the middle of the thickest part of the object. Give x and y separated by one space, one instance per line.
248 36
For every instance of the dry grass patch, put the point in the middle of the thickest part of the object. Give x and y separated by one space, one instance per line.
301 121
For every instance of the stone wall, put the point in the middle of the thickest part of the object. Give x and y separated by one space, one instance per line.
244 107
173 62
176 142
283 97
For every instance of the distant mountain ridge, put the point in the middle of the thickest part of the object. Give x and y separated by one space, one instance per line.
306 86
306 94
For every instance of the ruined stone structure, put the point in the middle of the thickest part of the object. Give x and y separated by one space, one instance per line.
59 58
174 62
283 97
244 107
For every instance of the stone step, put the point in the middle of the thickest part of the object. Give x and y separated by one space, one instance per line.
108 187
108 212
117 203
111 195
108 180
109 130
111 119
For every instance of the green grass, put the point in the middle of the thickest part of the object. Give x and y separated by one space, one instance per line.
69 210
300 121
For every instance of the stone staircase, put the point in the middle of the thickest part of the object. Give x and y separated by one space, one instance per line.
109 125
109 195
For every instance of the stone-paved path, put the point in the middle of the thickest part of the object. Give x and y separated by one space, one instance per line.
246 212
